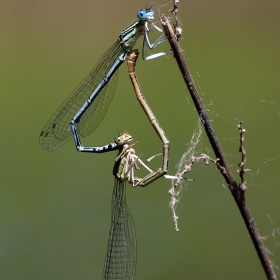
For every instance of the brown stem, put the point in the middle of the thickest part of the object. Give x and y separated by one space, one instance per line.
237 192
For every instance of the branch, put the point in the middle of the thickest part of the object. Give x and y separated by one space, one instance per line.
236 191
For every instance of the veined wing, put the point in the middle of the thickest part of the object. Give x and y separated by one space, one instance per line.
120 262
57 130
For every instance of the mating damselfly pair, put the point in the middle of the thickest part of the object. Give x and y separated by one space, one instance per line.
82 112
85 108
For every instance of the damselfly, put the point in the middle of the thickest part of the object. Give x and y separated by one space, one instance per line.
120 261
88 103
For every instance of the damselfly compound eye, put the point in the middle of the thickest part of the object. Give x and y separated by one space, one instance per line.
142 15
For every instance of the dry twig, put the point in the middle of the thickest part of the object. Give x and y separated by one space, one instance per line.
236 191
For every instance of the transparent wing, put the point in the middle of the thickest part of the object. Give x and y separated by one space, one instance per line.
57 130
120 262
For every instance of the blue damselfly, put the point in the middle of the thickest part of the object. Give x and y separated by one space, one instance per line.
87 105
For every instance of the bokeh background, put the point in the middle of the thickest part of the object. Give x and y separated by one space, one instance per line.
55 207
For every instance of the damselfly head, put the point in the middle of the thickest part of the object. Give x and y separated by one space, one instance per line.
122 139
146 15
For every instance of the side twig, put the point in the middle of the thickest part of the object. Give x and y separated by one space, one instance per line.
242 170
237 192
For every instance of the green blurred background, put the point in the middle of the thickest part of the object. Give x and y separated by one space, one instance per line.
55 207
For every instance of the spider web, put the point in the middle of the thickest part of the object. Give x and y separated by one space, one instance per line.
176 193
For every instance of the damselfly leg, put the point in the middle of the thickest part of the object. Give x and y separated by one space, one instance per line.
146 42
126 162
